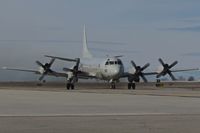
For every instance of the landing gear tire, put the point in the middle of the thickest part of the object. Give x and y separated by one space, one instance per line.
39 84
70 86
131 86
112 86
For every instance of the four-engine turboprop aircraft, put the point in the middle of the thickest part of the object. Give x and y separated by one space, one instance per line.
110 69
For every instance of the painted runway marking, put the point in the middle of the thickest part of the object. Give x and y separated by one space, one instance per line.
85 115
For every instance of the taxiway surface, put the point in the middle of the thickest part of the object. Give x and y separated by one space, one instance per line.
99 111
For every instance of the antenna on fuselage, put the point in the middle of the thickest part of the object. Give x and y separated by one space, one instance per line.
86 52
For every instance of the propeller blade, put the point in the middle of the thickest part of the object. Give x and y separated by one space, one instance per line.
144 78
166 69
159 75
51 62
145 66
139 71
173 64
41 78
78 61
171 75
39 64
133 63
77 64
161 61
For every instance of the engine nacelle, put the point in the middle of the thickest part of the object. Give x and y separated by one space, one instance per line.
132 78
41 70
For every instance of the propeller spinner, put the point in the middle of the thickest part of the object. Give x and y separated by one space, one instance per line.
166 69
46 68
139 71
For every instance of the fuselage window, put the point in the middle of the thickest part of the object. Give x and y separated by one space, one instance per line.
106 63
112 62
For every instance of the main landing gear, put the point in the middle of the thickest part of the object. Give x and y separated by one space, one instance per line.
70 86
40 83
131 86
71 82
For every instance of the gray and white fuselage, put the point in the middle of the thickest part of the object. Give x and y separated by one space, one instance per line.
109 69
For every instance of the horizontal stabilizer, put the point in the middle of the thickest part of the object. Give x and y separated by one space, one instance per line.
61 58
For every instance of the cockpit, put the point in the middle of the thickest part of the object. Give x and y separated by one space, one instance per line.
113 62
113 68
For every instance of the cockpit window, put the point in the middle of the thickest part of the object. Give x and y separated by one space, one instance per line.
112 62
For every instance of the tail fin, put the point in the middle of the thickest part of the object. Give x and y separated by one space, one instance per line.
86 52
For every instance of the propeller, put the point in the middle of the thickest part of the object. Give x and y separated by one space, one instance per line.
74 70
139 71
46 67
166 69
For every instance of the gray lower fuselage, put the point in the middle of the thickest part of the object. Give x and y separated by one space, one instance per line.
110 69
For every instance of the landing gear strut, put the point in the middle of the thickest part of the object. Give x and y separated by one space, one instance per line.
112 85
70 86
131 86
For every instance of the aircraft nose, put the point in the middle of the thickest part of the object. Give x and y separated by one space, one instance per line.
116 71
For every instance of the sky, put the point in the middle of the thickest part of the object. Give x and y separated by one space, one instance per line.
141 30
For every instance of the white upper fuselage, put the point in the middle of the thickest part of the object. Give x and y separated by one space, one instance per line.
107 69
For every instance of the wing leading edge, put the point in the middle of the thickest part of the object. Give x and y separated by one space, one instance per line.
53 73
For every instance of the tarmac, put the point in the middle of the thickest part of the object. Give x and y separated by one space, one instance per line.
26 108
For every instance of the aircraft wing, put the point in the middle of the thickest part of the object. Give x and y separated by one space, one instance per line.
126 74
150 73
61 58
81 76
53 73
57 74
20 69
175 70
183 70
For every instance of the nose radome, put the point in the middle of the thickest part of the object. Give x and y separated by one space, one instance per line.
116 71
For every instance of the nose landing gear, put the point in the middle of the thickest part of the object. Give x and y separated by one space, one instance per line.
70 86
112 85
131 86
